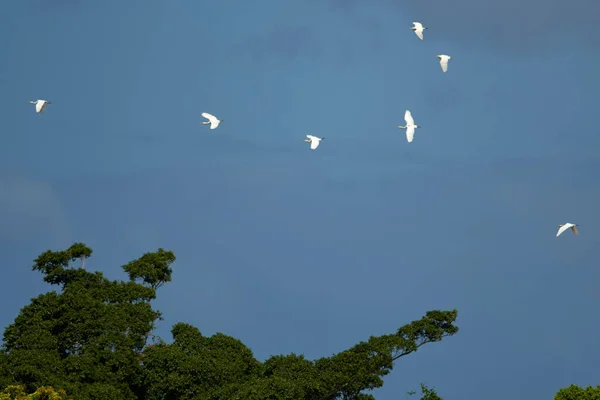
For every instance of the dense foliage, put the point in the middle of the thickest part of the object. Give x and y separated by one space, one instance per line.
91 337
577 393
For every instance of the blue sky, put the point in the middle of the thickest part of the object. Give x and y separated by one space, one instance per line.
292 250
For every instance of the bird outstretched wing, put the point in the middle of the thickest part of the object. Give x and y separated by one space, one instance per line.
562 229
444 64
214 121
410 133
209 117
409 118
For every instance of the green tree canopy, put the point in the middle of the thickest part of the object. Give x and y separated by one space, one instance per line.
152 268
577 393
90 338
427 393
87 337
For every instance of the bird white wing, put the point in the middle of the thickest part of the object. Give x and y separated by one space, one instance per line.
419 33
418 25
214 121
409 118
209 117
40 106
314 143
563 228
410 133
444 64
311 137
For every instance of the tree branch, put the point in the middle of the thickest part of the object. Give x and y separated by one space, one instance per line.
405 353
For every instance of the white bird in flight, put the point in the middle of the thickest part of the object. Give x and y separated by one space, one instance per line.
314 141
418 28
410 126
444 61
564 227
212 120
40 105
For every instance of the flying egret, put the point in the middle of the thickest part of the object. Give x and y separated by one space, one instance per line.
418 29
314 141
212 120
564 227
410 126
444 61
40 105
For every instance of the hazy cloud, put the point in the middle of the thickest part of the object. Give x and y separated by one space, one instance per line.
514 26
306 39
30 210
58 6
283 42
507 25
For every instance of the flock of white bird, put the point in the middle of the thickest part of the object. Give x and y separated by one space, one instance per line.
418 28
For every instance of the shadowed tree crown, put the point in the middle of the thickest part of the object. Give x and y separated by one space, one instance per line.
152 268
56 265
90 339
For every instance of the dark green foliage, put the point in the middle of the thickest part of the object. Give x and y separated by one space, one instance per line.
87 339
427 394
55 264
90 339
344 375
194 366
362 366
577 393
152 268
